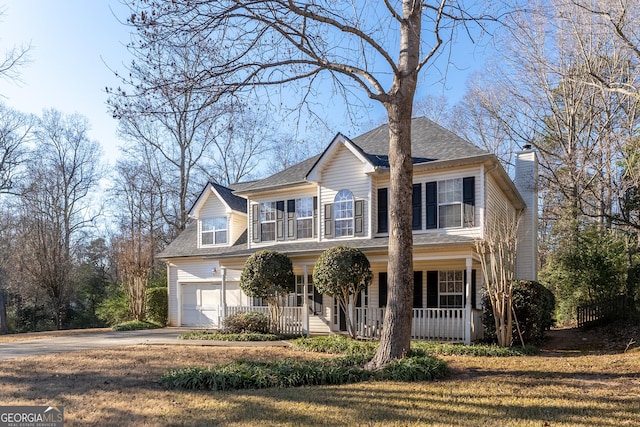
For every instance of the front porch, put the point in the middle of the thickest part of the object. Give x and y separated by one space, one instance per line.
458 325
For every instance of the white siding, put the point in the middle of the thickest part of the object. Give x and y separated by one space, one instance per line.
189 271
295 193
344 172
526 181
237 225
424 177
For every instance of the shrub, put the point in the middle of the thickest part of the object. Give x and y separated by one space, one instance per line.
250 322
115 308
135 325
296 373
336 344
201 335
157 305
534 306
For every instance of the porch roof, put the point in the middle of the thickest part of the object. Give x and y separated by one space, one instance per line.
185 245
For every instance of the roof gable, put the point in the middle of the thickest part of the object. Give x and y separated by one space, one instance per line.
224 194
338 141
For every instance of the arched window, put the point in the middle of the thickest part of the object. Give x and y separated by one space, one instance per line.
343 210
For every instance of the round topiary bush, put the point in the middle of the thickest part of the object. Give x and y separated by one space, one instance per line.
243 323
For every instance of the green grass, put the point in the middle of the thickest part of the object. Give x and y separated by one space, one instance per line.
204 335
296 373
481 350
135 325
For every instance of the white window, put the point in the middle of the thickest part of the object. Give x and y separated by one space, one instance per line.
304 217
451 289
268 221
450 203
213 231
343 210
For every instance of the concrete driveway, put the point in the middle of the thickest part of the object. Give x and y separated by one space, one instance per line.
88 341
104 339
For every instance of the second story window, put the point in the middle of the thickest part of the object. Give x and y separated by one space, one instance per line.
450 203
304 217
343 210
214 231
267 221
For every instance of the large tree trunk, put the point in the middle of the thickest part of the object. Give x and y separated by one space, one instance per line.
395 339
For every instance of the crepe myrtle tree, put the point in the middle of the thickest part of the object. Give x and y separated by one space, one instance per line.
268 274
343 272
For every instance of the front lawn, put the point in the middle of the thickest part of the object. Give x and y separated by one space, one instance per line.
119 386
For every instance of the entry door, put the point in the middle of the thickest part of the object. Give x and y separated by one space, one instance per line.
200 305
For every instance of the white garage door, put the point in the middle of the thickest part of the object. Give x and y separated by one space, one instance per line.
200 305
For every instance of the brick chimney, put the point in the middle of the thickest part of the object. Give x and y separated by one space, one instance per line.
526 181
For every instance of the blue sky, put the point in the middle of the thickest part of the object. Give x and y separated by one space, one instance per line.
74 42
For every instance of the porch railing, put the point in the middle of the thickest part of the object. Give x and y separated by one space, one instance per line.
437 324
290 318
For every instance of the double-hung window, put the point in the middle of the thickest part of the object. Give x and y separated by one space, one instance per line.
267 221
450 203
304 218
451 288
343 210
213 231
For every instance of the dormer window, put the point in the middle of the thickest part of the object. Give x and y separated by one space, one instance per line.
213 231
343 210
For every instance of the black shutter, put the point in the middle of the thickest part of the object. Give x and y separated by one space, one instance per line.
383 210
473 289
358 218
432 289
328 220
315 216
469 200
291 219
417 289
382 289
255 222
416 203
431 200
280 220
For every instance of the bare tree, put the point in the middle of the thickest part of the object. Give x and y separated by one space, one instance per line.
15 129
497 253
187 133
56 204
14 58
378 51
139 218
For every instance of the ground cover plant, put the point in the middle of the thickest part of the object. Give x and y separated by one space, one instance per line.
292 372
247 336
136 325
561 386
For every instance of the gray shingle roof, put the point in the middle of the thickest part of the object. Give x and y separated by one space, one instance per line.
185 245
431 142
236 203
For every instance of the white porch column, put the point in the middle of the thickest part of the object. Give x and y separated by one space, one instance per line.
467 306
305 302
223 290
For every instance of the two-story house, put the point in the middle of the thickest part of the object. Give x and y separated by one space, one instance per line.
341 197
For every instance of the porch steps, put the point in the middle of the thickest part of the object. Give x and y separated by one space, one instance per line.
318 325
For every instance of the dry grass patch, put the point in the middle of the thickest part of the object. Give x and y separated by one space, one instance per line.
48 334
119 387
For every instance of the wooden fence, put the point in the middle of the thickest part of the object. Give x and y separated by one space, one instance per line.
605 311
290 319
